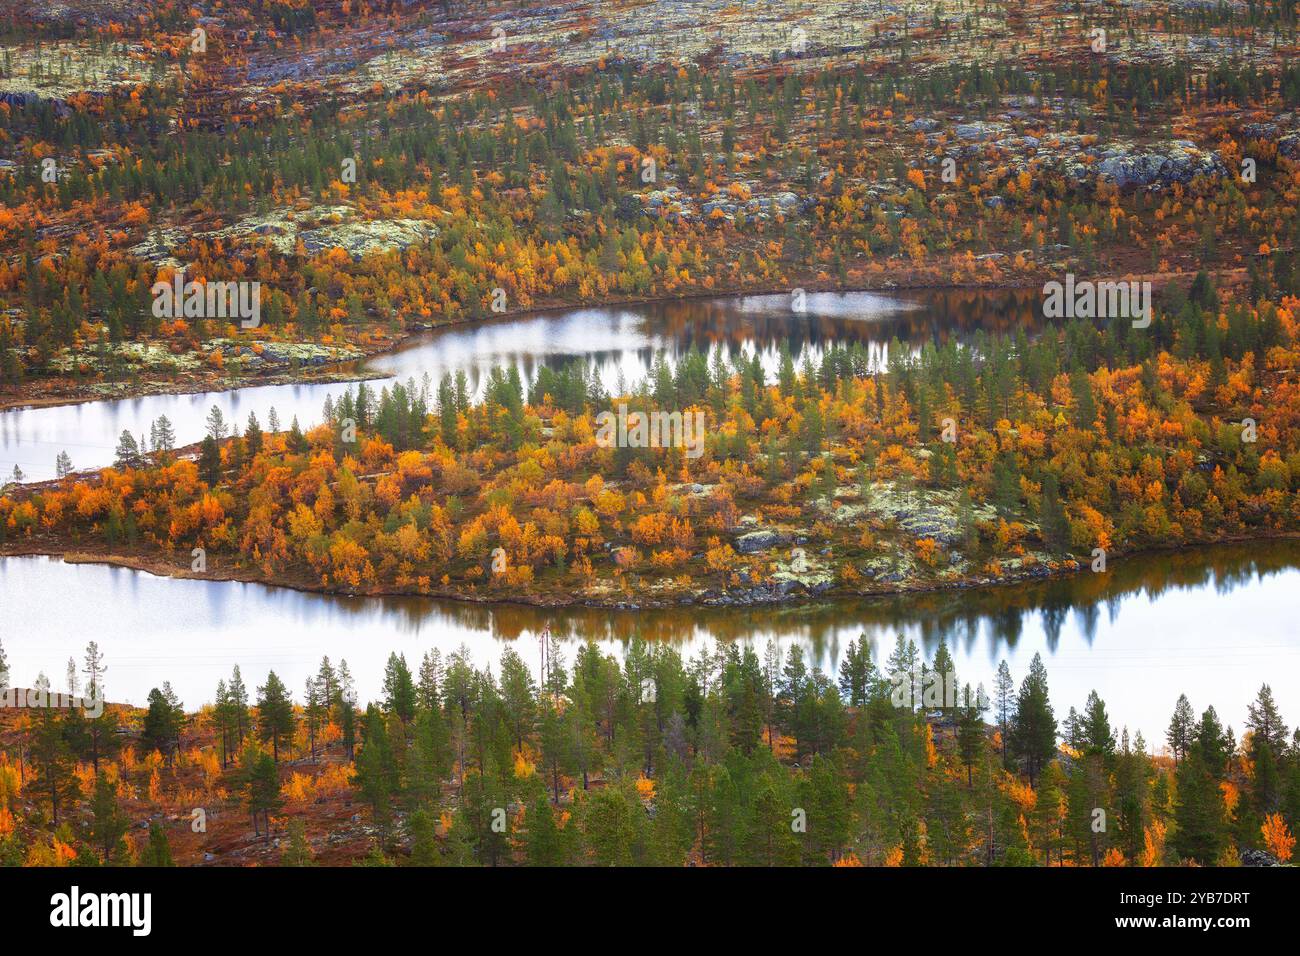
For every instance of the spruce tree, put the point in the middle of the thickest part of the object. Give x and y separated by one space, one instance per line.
157 851
275 717
1181 726
160 725
424 841
298 853
1095 735
399 688
108 822
376 772
1033 728
1201 828
210 461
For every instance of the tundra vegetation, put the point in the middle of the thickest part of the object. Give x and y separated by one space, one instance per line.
876 147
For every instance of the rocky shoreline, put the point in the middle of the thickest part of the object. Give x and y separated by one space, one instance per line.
777 595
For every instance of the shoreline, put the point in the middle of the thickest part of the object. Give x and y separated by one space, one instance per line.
157 566
331 374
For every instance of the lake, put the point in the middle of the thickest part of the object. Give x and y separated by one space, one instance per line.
611 341
1214 622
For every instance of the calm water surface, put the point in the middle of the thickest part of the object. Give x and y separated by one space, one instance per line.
1214 624
611 341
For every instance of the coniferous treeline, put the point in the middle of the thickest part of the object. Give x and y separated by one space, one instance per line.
727 758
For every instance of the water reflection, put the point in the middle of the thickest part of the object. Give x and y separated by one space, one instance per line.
610 341
1214 623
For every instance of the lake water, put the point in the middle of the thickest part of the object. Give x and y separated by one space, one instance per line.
612 341
1213 623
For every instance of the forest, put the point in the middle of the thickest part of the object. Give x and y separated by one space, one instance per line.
1007 458
369 215
723 759
366 174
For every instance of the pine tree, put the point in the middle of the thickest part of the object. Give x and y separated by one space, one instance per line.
222 722
108 823
1265 721
101 735
158 851
1181 726
261 783
1033 728
275 717
128 453
217 428
314 712
857 673
162 436
50 755
903 673
970 736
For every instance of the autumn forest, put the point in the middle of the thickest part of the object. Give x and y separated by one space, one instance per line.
604 314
